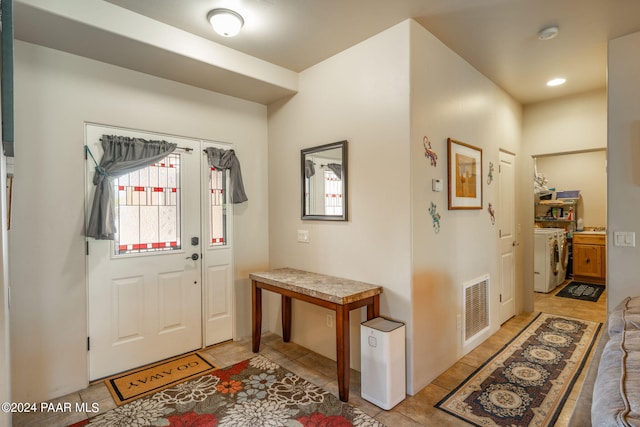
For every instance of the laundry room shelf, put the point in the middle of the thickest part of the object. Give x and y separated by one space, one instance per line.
556 213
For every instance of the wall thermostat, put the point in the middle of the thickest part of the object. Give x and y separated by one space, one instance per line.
436 184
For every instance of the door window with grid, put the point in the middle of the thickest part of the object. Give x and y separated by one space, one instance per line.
147 208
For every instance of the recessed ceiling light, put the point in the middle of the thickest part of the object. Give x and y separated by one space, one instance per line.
548 33
556 82
225 22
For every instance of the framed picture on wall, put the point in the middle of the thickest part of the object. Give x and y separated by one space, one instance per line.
465 175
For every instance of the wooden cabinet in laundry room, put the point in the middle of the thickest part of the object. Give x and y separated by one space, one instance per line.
589 257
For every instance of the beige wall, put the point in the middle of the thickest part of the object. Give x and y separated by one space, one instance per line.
361 95
58 92
565 125
450 99
624 166
586 172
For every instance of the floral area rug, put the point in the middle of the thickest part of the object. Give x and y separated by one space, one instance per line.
253 393
528 381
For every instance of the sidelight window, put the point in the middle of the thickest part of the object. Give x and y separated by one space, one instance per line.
217 207
332 193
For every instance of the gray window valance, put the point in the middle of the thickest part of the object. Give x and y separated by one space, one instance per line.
336 168
310 169
226 159
122 155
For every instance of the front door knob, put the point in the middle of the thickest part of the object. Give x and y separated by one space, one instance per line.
194 257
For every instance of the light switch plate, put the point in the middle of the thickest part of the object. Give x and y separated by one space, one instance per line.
624 238
303 236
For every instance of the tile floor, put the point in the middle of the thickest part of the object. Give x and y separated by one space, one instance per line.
417 410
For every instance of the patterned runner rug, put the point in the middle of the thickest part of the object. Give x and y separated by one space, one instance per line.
253 393
528 381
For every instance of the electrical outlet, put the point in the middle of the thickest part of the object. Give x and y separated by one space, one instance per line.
329 320
459 321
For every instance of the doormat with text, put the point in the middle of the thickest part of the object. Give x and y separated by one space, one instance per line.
141 382
582 291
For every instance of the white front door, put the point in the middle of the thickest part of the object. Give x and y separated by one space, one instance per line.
148 296
506 222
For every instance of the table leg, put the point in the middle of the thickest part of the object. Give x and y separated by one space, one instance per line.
373 310
256 314
286 318
343 354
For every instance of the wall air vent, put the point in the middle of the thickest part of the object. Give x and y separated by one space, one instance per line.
476 308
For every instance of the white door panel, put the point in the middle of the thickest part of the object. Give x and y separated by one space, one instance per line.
218 304
171 303
507 236
127 309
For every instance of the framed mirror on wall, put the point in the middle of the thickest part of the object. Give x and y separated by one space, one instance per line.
324 182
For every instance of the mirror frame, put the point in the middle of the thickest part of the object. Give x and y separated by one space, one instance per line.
343 146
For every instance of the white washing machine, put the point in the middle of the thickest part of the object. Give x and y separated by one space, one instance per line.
546 259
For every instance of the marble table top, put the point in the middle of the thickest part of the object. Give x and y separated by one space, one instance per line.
329 288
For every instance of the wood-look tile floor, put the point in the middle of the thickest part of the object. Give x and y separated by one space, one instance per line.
417 410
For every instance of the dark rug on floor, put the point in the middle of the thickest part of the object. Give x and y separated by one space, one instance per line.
582 291
528 381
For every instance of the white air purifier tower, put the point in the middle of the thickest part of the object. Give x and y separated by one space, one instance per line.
383 363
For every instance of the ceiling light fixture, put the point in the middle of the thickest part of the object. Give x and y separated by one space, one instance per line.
225 22
548 33
556 82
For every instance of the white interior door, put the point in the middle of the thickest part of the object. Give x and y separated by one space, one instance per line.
147 290
506 222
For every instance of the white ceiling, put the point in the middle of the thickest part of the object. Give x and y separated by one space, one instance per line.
498 37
